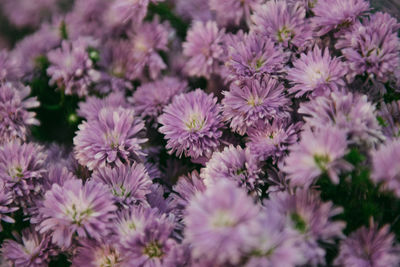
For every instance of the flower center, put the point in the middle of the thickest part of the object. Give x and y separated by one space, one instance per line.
16 173
322 161
222 219
254 101
299 223
153 250
78 214
284 34
195 122
109 259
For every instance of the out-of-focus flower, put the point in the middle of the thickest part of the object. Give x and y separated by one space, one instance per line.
9 69
218 223
94 254
389 114
316 73
317 153
252 100
192 124
114 139
310 218
372 47
251 55
128 184
386 166
193 9
369 247
149 99
126 13
71 67
30 250
344 110
14 115
76 209
284 23
235 164
337 14
272 139
203 48
232 12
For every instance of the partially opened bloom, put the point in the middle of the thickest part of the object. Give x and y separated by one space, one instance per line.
386 166
317 153
31 250
150 98
231 12
203 48
94 254
71 68
114 139
372 47
218 223
15 117
350 112
236 164
128 184
252 100
284 23
369 247
76 209
192 124
316 73
310 218
337 14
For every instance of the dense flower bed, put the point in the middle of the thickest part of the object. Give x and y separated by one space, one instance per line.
199 133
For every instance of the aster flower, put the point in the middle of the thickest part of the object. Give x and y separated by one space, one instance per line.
30 250
218 223
92 107
114 139
316 73
231 11
369 247
310 218
94 254
6 200
372 47
386 167
203 48
272 140
317 153
9 69
337 14
149 99
192 124
235 164
71 67
252 54
128 184
22 169
344 110
285 24
14 115
146 40
74 208
252 100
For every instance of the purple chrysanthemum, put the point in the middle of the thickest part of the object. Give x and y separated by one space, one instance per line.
22 167
30 250
252 100
235 164
310 218
149 99
14 115
337 14
386 166
114 139
352 113
372 47
252 54
128 184
317 153
272 139
232 12
203 48
71 67
94 254
219 223
316 73
92 107
284 23
192 124
369 247
76 209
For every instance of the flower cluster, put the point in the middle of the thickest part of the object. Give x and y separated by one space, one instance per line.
200 133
